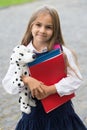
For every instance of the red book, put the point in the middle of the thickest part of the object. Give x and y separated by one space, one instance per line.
50 72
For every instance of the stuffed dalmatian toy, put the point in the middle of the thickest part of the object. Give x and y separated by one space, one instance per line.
20 57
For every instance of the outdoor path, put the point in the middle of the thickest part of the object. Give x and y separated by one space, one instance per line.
13 22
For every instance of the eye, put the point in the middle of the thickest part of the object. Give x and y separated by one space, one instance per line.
21 54
49 27
38 24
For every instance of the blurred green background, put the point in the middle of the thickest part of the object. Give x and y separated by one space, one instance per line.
4 3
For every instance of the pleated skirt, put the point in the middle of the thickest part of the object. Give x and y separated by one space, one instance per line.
62 118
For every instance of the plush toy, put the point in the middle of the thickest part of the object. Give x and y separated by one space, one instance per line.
20 57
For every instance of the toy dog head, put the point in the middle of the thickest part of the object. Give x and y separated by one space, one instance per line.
22 55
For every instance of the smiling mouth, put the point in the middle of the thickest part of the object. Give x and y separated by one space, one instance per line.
40 35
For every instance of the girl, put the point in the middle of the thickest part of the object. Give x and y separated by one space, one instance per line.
42 33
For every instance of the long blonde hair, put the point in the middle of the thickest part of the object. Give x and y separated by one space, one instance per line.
57 34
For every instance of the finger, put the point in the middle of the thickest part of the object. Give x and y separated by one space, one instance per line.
40 90
33 93
23 77
36 94
41 83
43 89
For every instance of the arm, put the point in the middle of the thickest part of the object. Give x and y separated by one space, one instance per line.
37 88
73 80
67 85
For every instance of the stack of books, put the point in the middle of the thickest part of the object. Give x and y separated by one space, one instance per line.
50 68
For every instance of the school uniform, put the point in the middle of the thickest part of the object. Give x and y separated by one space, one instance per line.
63 117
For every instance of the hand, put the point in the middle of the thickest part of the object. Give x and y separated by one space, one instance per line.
34 85
47 90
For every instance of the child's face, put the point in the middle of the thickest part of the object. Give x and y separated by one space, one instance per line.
42 29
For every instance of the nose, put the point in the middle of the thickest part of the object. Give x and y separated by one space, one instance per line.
42 29
34 56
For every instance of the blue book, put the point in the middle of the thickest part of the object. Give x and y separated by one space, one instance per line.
45 56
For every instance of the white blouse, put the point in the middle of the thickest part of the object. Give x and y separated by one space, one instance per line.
65 86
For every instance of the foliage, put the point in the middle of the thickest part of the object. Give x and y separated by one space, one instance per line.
4 3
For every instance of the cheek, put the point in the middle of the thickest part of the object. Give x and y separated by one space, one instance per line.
51 33
33 31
